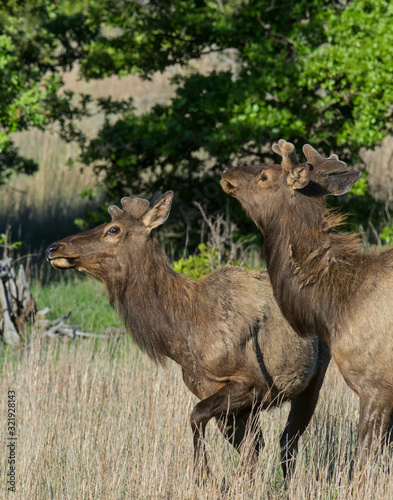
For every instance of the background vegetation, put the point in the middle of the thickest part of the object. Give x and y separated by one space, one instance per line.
240 75
105 99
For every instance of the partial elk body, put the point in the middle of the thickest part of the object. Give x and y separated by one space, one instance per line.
226 331
321 278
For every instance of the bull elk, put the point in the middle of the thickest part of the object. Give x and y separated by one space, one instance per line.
226 332
322 280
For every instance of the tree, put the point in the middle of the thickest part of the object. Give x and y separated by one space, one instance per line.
318 71
315 71
38 40
353 70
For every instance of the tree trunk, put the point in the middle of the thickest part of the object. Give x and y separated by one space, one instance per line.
17 305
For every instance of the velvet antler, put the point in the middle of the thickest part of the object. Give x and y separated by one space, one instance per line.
135 207
323 166
298 176
288 153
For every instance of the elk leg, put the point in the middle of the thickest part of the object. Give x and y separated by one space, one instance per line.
374 423
232 398
234 429
302 409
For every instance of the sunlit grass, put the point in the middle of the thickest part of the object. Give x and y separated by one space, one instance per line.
86 298
100 420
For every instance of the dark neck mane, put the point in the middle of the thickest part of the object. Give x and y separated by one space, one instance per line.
157 305
314 270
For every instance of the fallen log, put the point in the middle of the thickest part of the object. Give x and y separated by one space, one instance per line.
60 330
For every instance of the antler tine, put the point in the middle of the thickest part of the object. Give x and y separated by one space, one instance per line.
114 211
135 206
323 166
288 154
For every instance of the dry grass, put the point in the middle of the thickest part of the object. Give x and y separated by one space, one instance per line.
42 207
379 163
102 421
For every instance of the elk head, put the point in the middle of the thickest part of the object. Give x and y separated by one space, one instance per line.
262 189
107 249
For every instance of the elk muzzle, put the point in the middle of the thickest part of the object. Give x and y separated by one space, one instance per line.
57 258
227 184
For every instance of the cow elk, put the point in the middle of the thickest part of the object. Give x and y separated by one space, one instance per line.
226 331
322 280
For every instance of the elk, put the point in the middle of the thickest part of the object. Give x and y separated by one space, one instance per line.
322 280
225 330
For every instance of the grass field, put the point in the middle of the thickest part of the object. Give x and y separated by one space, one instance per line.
97 419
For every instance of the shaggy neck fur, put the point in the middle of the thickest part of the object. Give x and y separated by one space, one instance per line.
315 271
157 305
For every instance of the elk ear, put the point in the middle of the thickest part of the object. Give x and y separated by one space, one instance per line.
342 183
299 176
159 212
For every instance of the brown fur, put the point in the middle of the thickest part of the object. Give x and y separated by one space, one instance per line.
226 332
322 280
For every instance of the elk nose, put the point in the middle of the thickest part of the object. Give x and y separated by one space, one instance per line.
50 249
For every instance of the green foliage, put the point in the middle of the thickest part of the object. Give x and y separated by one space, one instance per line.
199 265
316 71
37 40
205 261
354 71
4 241
85 298
81 224
387 234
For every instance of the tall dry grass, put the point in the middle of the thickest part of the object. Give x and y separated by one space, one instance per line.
101 421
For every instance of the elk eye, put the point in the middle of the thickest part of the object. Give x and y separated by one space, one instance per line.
113 231
264 177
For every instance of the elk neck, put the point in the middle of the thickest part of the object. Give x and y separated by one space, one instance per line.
158 306
315 271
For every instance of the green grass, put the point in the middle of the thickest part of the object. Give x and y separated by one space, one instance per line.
86 298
